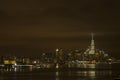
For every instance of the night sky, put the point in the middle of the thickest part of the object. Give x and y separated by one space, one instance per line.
30 27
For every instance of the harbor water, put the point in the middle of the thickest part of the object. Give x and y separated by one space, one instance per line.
62 74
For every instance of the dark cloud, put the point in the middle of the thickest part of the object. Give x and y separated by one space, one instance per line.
38 24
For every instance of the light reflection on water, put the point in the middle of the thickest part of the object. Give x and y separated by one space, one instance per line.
59 75
86 75
94 73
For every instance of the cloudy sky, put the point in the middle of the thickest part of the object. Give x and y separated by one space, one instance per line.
29 26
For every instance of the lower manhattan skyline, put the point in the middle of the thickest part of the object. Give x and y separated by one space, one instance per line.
33 27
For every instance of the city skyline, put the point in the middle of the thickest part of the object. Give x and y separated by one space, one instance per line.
29 27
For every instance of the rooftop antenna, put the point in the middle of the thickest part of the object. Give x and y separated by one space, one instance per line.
92 35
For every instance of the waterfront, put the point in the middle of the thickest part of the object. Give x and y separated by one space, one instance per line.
62 74
91 64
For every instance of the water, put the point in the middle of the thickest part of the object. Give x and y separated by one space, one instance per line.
62 74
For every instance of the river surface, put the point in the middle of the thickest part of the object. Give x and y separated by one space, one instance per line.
61 74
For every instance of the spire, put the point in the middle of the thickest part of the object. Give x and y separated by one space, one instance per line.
92 40
91 48
92 35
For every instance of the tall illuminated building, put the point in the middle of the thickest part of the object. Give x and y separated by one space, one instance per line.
91 48
57 58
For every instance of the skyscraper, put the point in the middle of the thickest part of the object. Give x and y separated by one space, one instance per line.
91 48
